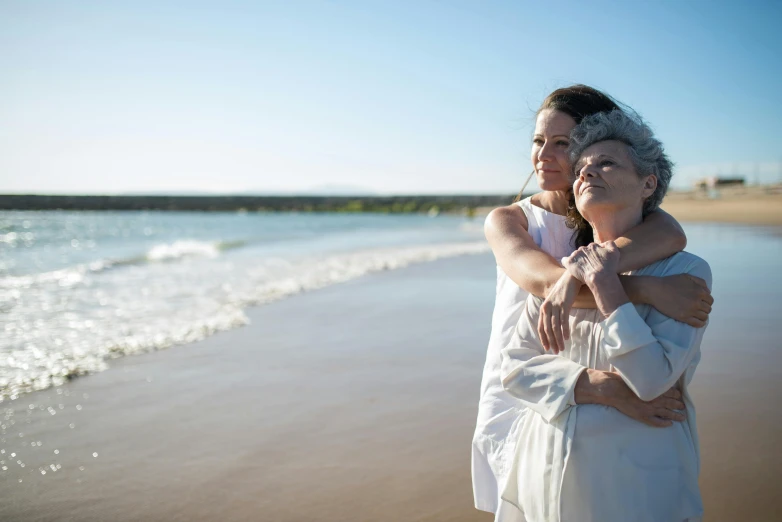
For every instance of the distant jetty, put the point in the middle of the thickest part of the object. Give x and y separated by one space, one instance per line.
381 204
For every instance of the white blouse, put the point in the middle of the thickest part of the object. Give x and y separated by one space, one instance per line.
590 462
499 412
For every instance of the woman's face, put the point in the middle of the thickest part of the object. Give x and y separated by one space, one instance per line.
606 179
549 146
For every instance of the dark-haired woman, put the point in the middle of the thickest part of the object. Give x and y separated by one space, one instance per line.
528 238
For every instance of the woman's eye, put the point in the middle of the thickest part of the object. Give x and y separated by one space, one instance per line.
537 141
606 163
563 143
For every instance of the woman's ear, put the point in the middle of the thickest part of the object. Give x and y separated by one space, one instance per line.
650 185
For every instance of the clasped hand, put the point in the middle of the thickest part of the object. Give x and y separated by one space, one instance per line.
585 264
683 297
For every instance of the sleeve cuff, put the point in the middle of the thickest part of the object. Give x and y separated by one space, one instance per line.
571 399
570 372
624 331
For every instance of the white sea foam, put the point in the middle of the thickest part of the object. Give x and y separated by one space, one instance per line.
70 322
158 253
180 249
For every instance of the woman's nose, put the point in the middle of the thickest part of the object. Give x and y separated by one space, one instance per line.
545 153
586 172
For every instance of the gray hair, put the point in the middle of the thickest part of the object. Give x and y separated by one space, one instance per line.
646 151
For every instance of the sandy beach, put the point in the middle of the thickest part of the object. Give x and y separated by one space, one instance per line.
356 402
756 205
353 403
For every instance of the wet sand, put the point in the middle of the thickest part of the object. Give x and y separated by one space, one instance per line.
353 403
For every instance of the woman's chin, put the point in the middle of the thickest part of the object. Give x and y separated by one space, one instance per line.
587 202
553 185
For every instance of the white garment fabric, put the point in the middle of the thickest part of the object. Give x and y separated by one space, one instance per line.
590 462
498 412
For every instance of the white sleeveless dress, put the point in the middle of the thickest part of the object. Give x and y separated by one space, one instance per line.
499 413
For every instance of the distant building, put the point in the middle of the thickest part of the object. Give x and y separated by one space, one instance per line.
715 182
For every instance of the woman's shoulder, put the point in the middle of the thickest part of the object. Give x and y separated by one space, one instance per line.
502 217
679 263
535 212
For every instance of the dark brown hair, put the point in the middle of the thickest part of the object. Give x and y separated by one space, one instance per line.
577 101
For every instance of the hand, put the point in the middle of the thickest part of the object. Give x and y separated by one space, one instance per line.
683 297
589 262
660 412
553 321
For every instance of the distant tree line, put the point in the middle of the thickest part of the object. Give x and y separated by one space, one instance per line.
380 204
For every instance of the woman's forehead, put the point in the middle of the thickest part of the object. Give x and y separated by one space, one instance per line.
550 121
607 147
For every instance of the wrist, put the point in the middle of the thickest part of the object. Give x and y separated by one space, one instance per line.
608 291
572 281
594 387
597 279
637 288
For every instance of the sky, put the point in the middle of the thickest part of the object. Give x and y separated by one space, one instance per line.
380 97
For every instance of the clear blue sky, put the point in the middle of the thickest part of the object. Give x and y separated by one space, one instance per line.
389 97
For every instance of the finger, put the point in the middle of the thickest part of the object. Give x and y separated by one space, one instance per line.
698 281
708 298
557 329
703 316
552 340
564 319
672 404
673 393
665 413
694 322
542 331
657 422
705 307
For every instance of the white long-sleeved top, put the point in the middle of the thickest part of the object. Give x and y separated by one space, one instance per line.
499 413
590 462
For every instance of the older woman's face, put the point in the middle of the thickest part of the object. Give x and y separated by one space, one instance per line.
607 180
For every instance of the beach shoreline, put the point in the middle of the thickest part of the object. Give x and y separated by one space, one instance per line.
740 205
754 205
353 402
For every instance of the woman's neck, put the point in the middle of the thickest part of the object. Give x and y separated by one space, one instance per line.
612 224
554 201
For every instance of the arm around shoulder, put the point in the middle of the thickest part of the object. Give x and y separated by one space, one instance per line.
659 236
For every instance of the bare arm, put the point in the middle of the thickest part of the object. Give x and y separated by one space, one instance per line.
608 389
682 297
658 237
517 253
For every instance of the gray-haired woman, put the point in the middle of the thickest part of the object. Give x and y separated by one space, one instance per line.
577 458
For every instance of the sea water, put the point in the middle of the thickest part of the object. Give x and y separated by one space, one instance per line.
79 288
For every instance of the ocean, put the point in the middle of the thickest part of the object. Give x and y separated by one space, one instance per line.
80 288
